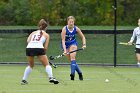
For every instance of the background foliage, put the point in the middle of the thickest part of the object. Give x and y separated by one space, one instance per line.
87 12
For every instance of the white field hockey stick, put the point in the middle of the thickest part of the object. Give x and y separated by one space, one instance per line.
124 43
59 56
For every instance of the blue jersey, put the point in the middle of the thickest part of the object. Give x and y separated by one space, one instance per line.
70 35
70 38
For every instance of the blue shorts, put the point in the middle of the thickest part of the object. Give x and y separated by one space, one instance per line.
68 45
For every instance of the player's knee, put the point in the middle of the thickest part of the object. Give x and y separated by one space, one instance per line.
72 57
138 59
31 66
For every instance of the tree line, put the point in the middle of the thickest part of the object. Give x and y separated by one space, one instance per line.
86 12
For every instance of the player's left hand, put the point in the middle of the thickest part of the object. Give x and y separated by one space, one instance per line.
84 46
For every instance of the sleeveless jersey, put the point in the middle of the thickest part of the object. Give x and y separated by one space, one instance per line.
70 36
37 40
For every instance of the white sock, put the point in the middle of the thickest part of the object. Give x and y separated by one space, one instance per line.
49 71
27 71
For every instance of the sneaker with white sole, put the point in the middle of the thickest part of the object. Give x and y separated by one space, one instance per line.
53 80
24 82
138 64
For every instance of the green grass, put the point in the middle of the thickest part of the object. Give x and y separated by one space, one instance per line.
121 80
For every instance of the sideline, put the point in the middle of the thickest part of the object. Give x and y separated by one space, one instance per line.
66 64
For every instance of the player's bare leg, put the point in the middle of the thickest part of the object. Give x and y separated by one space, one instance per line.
138 59
48 68
28 70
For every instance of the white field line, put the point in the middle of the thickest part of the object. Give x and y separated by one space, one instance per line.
102 72
29 90
33 90
133 73
112 90
94 72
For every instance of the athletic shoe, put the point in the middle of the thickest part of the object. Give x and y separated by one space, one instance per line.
138 64
53 80
24 82
72 76
80 76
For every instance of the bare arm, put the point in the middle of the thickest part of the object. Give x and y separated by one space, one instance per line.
29 37
47 41
82 37
132 38
63 33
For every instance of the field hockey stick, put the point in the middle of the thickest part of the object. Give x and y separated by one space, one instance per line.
53 64
56 57
124 43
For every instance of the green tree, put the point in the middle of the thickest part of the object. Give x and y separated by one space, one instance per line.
128 12
86 12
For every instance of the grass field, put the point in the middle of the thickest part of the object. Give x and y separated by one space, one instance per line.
121 80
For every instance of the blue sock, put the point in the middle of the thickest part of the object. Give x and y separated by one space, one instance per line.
73 67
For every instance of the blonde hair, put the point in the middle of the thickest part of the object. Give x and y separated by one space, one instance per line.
42 24
71 17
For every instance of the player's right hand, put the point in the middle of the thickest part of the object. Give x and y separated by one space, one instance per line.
129 43
64 53
84 46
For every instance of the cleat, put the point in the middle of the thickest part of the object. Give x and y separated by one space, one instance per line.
138 64
24 82
72 76
53 80
80 76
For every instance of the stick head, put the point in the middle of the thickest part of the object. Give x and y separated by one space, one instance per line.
54 65
51 58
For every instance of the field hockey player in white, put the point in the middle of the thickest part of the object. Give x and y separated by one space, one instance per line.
136 34
37 46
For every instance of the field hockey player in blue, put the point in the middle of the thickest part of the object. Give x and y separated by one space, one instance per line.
69 43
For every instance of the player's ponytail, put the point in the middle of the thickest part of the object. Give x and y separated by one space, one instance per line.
41 33
42 25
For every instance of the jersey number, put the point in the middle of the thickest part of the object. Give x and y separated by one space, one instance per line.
37 37
70 38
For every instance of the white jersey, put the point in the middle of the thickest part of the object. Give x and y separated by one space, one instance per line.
36 41
136 34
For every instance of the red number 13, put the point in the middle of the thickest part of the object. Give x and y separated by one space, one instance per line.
36 37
